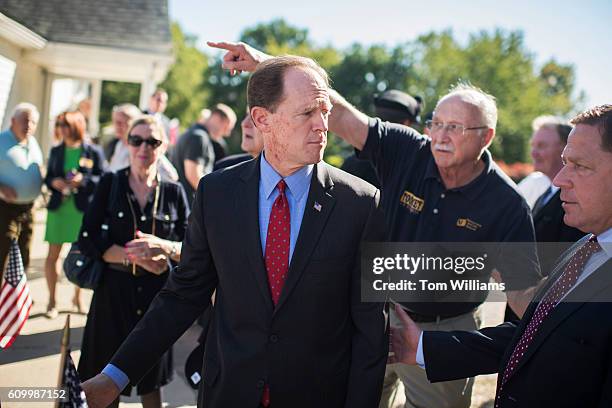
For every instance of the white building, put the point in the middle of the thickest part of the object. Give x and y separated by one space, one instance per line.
55 53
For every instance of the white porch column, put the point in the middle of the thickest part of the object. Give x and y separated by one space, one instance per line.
94 116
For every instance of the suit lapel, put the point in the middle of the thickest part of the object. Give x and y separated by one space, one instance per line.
313 222
247 208
598 281
553 203
538 296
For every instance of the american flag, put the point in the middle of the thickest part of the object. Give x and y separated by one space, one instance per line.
15 300
75 397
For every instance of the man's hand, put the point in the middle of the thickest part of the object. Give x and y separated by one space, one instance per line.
239 56
100 391
8 194
404 339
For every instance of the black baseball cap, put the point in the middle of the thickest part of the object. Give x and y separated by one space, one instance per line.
397 106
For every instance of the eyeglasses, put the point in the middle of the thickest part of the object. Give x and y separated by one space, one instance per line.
61 124
136 141
453 128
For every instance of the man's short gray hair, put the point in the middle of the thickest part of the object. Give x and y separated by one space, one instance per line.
484 102
25 107
556 123
128 109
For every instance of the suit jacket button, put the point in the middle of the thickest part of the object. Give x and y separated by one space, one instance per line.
273 338
261 384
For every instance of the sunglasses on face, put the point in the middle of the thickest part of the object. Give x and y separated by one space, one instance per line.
136 141
61 124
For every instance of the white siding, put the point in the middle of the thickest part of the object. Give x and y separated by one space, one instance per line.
7 73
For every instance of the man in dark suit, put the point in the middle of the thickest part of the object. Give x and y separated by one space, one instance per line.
278 238
559 354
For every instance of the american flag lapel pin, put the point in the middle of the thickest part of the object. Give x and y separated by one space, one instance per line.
317 206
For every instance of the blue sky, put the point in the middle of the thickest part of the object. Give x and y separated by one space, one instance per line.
576 32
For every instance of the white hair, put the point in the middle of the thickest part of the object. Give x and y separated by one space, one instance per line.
555 123
25 107
128 109
205 114
548 121
484 102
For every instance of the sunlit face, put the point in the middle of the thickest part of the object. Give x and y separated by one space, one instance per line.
546 149
586 181
24 124
144 156
158 102
252 141
121 124
297 131
454 150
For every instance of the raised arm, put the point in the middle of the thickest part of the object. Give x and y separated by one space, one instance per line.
347 121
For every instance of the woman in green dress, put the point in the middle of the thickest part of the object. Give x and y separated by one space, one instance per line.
73 171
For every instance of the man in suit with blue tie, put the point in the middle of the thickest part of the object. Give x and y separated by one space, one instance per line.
560 353
278 238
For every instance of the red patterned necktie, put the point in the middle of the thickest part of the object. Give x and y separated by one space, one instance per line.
566 281
277 253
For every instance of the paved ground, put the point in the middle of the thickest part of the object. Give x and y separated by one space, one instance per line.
33 360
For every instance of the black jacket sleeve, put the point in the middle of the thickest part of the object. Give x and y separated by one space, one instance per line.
462 354
370 342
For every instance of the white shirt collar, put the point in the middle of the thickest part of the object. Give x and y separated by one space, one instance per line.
605 240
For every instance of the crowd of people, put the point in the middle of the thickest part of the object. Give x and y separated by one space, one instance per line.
263 247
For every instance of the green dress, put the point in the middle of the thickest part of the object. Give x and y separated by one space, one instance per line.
63 223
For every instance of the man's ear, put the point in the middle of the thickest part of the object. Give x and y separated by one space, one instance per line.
261 118
488 138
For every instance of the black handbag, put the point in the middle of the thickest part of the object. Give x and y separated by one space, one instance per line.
82 270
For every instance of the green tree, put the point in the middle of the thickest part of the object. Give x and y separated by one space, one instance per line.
499 63
185 82
265 35
364 72
559 81
115 93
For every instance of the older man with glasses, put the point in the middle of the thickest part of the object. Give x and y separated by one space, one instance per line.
457 194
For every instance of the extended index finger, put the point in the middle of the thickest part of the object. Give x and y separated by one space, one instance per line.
224 45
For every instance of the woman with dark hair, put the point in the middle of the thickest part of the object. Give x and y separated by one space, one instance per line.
135 224
73 171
